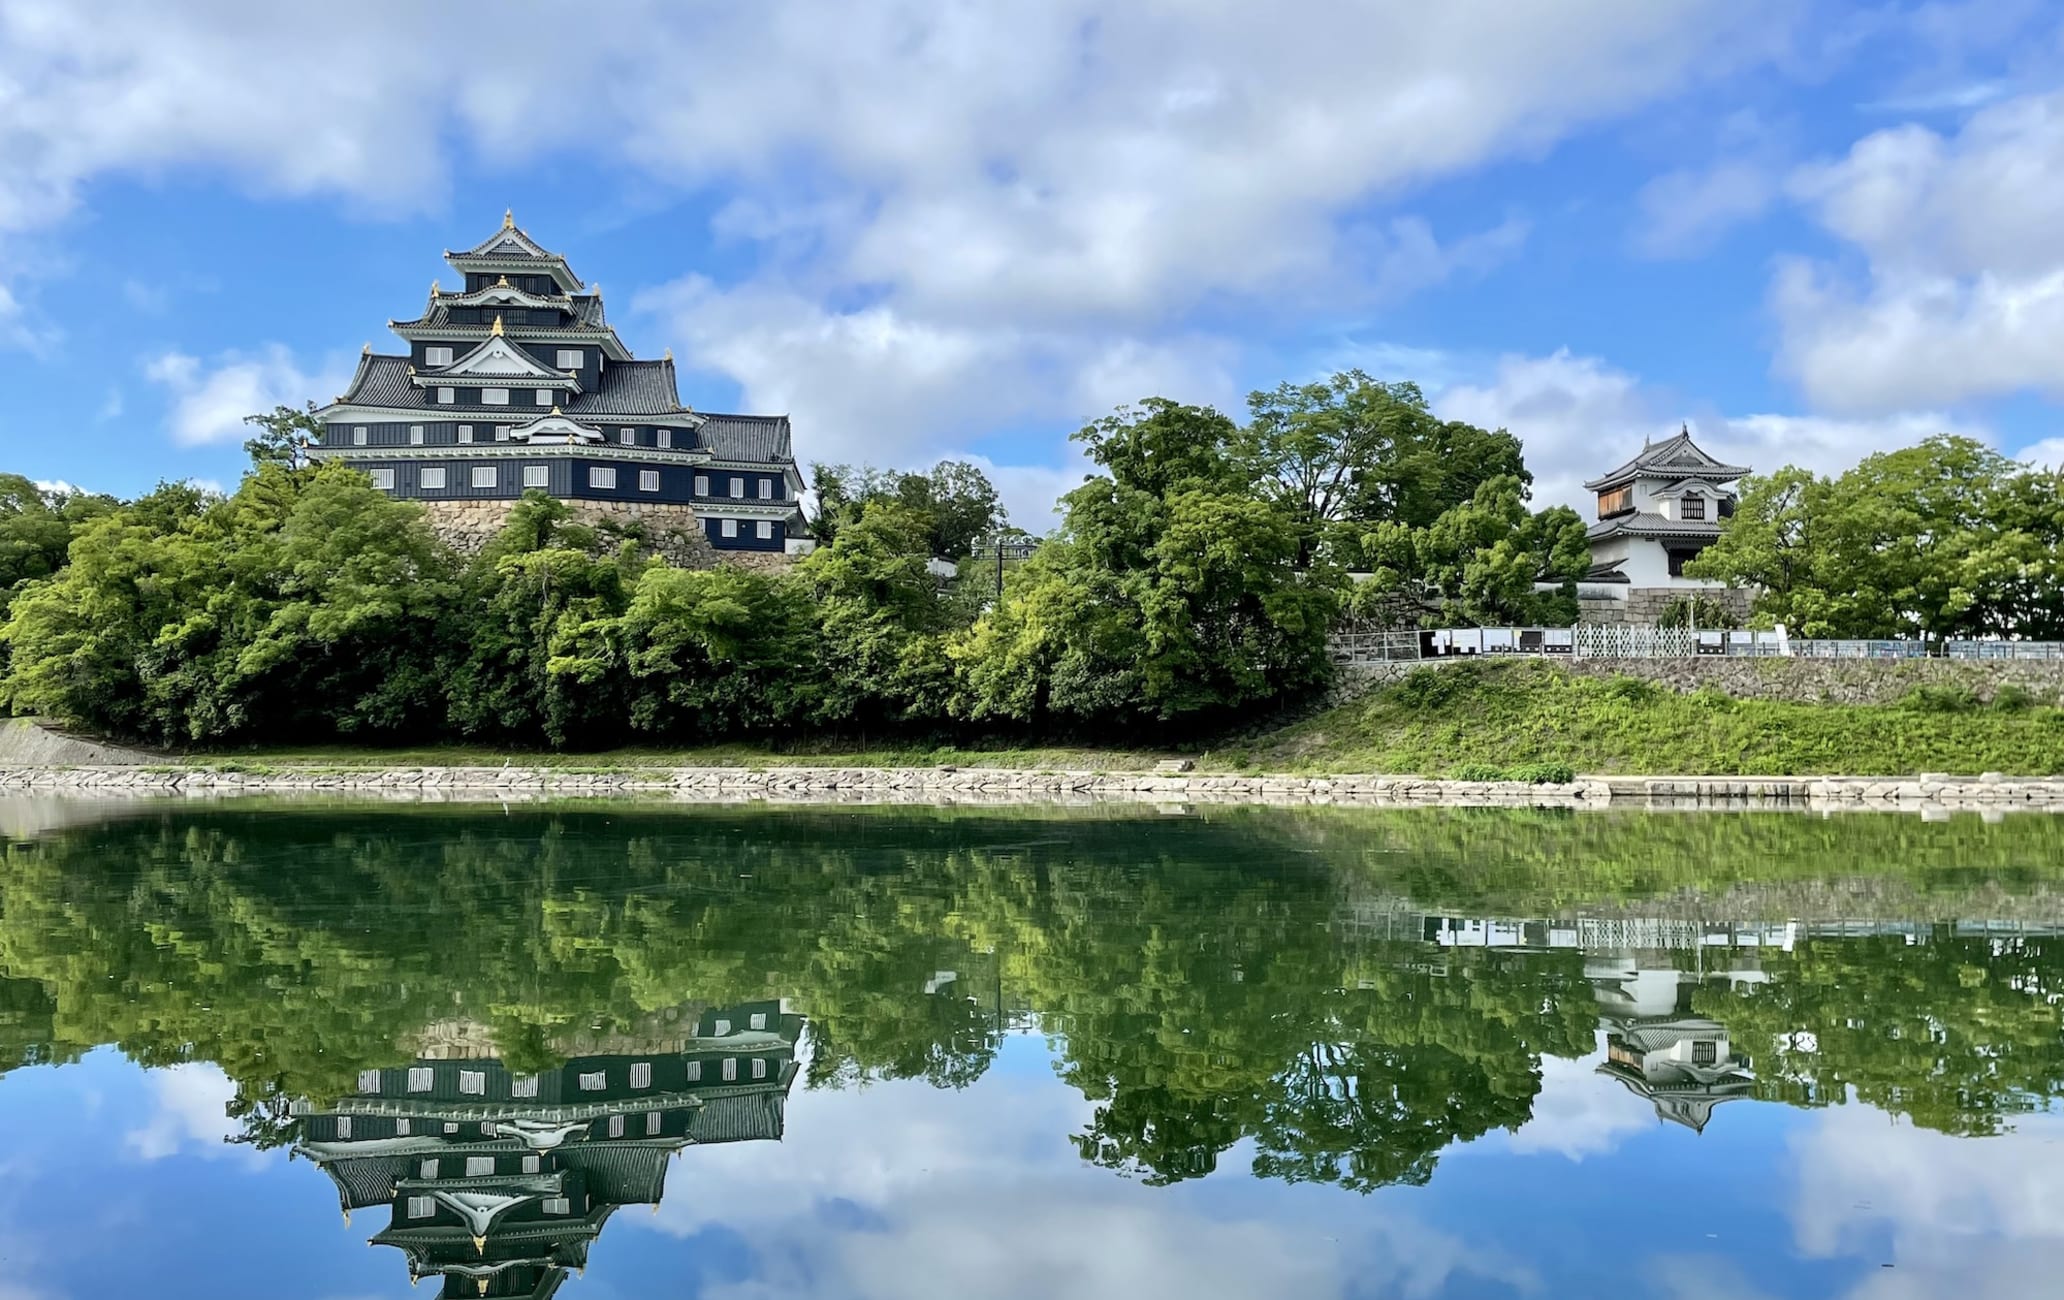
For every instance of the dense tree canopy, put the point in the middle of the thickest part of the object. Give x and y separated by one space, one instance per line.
1480 562
954 500
1170 593
1349 452
1947 538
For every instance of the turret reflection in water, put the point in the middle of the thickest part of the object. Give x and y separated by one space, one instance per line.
499 1180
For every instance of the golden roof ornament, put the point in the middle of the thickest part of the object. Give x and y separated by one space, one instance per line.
508 218
502 283
366 351
555 410
669 355
498 325
434 290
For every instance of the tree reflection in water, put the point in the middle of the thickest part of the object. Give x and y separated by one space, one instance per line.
1349 991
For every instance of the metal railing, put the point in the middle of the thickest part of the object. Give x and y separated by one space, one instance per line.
1352 645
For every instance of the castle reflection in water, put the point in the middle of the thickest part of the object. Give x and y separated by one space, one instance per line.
498 1181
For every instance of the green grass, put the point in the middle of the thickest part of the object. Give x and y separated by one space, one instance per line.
819 754
1514 716
1476 721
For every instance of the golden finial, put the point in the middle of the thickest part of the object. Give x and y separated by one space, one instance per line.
434 290
366 351
347 1218
412 367
480 1245
508 218
480 1286
669 354
555 410
502 283
498 324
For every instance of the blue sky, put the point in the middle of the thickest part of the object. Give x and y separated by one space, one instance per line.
1809 230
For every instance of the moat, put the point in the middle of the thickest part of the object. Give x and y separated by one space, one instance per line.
612 1049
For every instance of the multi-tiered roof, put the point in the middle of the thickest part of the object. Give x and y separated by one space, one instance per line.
499 1182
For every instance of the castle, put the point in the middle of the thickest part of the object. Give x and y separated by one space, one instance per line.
1656 512
517 383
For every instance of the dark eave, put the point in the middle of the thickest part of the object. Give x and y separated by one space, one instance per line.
1647 525
1676 457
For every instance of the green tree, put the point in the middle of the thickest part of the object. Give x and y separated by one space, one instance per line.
957 501
1350 451
1944 539
882 620
283 436
1479 563
1169 594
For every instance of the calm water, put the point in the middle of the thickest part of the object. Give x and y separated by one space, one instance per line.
868 1053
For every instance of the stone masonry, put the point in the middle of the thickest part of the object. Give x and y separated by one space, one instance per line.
1645 605
672 529
1834 681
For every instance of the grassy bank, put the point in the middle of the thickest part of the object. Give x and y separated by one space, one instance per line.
1514 715
1479 720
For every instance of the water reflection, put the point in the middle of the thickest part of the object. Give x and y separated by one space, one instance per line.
499 1180
496 1030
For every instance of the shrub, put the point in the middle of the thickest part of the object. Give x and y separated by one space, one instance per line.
1478 772
1543 773
1939 699
2013 697
1633 690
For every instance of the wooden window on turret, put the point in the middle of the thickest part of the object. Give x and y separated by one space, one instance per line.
544 397
383 479
628 437
435 355
601 476
421 1207
702 485
446 396
558 1205
1692 507
664 437
1617 501
433 476
648 480
415 435
537 476
465 433
569 358
358 436
494 397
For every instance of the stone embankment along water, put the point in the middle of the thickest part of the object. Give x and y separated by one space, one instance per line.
1007 785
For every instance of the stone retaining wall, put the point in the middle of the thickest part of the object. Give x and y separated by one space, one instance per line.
1834 681
1001 785
672 529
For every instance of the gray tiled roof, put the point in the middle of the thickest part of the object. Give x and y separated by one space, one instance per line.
1644 524
746 437
631 388
628 388
588 308
620 1173
1675 457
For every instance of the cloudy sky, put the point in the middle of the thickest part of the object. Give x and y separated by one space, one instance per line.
1809 230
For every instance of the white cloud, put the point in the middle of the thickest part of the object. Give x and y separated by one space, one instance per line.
209 403
1686 211
1962 239
189 1114
1580 1112
2049 453
1579 416
1979 1218
978 1192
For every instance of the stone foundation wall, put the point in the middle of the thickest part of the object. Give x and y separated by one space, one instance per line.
1834 681
1644 606
1928 794
673 531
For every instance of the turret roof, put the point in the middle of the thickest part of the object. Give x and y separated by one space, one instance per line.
1676 457
510 246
